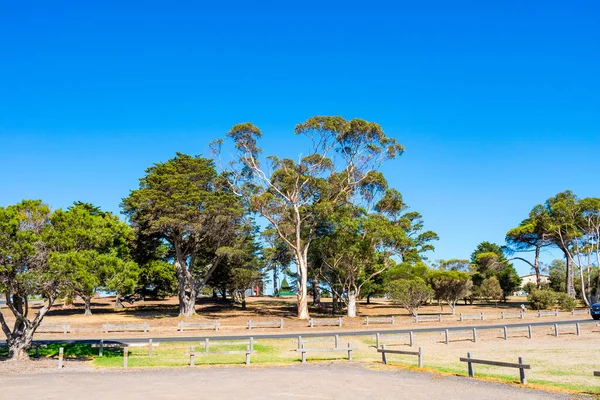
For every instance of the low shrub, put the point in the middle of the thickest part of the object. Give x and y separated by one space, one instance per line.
541 299
565 302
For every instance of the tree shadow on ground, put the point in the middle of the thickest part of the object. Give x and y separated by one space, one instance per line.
72 350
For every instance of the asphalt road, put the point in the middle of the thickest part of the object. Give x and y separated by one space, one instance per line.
348 381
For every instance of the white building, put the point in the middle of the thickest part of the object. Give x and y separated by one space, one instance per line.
531 278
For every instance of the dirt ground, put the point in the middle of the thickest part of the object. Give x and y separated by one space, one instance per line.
313 381
162 316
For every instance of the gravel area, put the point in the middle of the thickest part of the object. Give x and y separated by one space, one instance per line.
312 381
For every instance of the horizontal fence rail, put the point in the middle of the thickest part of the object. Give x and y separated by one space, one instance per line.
198 325
520 365
384 352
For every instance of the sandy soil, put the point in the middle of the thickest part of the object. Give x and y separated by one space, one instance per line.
323 381
162 316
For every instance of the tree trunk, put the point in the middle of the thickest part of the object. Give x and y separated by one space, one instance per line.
275 284
452 306
185 285
536 267
351 304
335 304
214 294
223 294
18 348
19 339
316 292
369 299
302 282
118 302
570 283
244 300
87 300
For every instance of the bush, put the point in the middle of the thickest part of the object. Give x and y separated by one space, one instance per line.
565 302
541 299
529 287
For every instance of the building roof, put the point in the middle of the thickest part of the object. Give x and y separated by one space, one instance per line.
541 275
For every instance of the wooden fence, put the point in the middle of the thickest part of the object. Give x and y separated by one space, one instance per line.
520 365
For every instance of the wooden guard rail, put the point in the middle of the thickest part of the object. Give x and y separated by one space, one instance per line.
384 352
520 365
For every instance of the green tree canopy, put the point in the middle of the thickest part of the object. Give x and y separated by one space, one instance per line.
25 271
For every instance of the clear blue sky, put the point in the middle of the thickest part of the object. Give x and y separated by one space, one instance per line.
497 103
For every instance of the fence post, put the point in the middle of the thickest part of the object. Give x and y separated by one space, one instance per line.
249 324
206 345
252 343
530 332
446 332
505 333
460 317
101 348
383 355
337 339
192 356
349 352
502 314
377 340
482 316
37 350
577 328
281 322
217 325
340 321
299 342
411 337
440 317
303 354
125 356
556 330
420 357
146 327
248 355
149 347
310 322
522 376
60 357
539 314
556 312
393 320
367 320
522 314
470 366
180 326
475 335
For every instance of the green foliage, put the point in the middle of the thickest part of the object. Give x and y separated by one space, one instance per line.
285 286
450 286
541 299
529 287
490 289
454 265
185 205
488 260
95 245
557 275
25 271
565 302
240 267
410 294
